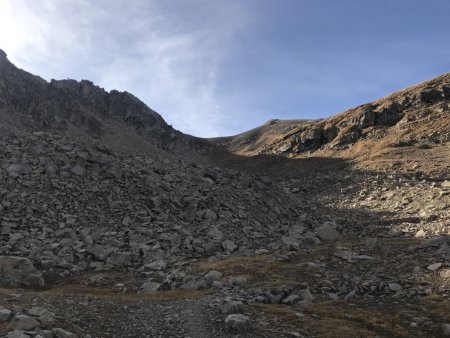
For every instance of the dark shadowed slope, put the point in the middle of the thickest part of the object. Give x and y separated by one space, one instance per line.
87 112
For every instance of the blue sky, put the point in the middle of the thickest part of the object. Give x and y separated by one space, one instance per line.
213 67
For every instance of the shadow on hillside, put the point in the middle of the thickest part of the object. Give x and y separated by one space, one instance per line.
333 184
279 166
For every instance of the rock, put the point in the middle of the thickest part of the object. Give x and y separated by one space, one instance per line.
5 314
290 243
18 271
420 234
307 296
445 273
17 334
60 333
101 252
291 299
328 232
349 297
313 136
214 275
156 265
434 267
15 170
234 306
78 170
238 323
229 246
151 286
395 286
23 322
43 315
204 281
431 95
445 328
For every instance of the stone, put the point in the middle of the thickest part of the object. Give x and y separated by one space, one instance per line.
214 275
234 306
19 271
43 315
23 322
328 232
291 299
156 265
420 234
290 243
444 273
15 170
229 246
204 281
434 267
5 314
17 334
445 329
395 286
238 323
151 287
61 333
101 252
78 170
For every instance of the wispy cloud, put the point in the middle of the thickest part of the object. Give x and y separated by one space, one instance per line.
213 67
160 53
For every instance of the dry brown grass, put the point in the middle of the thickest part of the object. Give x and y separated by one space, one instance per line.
338 319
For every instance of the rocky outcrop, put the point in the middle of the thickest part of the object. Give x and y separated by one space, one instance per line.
18 271
86 110
407 108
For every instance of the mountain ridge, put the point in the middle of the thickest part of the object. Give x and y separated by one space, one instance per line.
89 112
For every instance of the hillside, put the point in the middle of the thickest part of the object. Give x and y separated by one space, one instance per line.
414 121
88 113
113 224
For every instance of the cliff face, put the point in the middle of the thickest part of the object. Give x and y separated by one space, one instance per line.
87 111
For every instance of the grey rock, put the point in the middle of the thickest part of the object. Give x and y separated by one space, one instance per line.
290 243
395 286
291 299
238 323
445 328
17 334
434 267
5 314
234 306
15 170
229 245
151 287
23 322
19 271
43 315
61 333
328 232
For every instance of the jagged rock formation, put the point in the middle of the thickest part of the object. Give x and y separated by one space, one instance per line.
87 112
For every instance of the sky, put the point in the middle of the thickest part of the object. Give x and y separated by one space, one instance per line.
216 68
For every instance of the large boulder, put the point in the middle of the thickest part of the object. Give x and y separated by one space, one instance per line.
23 322
19 271
431 95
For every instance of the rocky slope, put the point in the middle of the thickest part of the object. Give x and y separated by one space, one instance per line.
112 224
415 121
88 113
